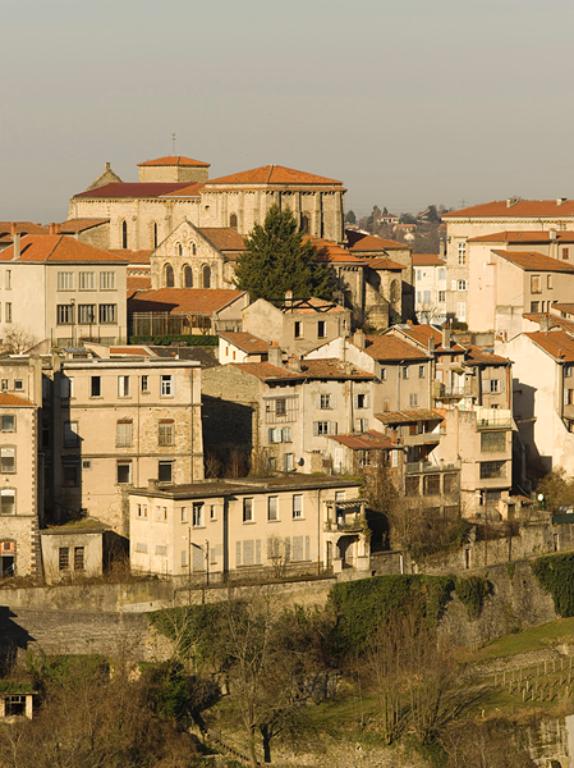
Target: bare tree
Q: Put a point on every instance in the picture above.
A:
(17, 340)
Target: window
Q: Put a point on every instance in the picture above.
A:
(64, 558)
(87, 281)
(8, 312)
(7, 501)
(165, 471)
(71, 437)
(86, 314)
(78, 558)
(154, 237)
(568, 369)
(431, 485)
(179, 249)
(7, 423)
(441, 297)
(7, 460)
(108, 314)
(64, 314)
(383, 374)
(461, 285)
(212, 512)
(304, 223)
(166, 385)
(65, 281)
(324, 428)
(362, 400)
(549, 282)
(107, 281)
(197, 514)
(9, 279)
(535, 307)
(462, 254)
(144, 384)
(206, 277)
(124, 433)
(413, 400)
(297, 506)
(495, 385)
(288, 462)
(321, 333)
(187, 277)
(168, 276)
(124, 234)
(248, 511)
(325, 402)
(565, 254)
(166, 433)
(492, 469)
(233, 221)
(18, 385)
(280, 435)
(66, 388)
(281, 406)
(123, 386)
(96, 386)
(493, 442)
(142, 511)
(161, 514)
(141, 548)
(405, 371)
(421, 371)
(297, 330)
(272, 508)
(123, 472)
(535, 284)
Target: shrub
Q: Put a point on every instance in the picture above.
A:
(472, 591)
(555, 574)
(185, 340)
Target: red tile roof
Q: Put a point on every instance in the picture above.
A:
(224, 238)
(189, 190)
(383, 262)
(564, 306)
(513, 236)
(393, 349)
(558, 344)
(329, 250)
(275, 174)
(183, 301)
(479, 356)
(14, 401)
(246, 342)
(74, 226)
(58, 249)
(311, 306)
(135, 284)
(547, 321)
(130, 351)
(268, 372)
(133, 189)
(179, 160)
(409, 416)
(371, 440)
(424, 333)
(533, 261)
(517, 209)
(22, 228)
(331, 368)
(369, 243)
(428, 260)
(134, 257)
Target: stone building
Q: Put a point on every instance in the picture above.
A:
(429, 272)
(207, 531)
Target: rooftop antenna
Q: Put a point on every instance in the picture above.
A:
(173, 143)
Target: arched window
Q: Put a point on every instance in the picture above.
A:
(154, 234)
(395, 291)
(233, 221)
(179, 249)
(193, 249)
(305, 223)
(124, 234)
(168, 276)
(187, 277)
(206, 276)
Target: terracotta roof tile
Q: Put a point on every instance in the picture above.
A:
(183, 301)
(58, 249)
(224, 238)
(135, 284)
(558, 344)
(73, 226)
(142, 256)
(311, 306)
(370, 243)
(519, 208)
(246, 342)
(274, 174)
(130, 351)
(409, 416)
(332, 368)
(133, 189)
(424, 333)
(189, 190)
(548, 321)
(8, 400)
(171, 160)
(564, 306)
(393, 349)
(428, 260)
(22, 228)
(329, 250)
(371, 440)
(268, 372)
(480, 356)
(513, 236)
(383, 262)
(533, 261)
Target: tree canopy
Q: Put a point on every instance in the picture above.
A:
(279, 258)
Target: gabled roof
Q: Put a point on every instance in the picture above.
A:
(517, 208)
(383, 262)
(311, 306)
(135, 284)
(178, 160)
(564, 306)
(393, 349)
(370, 243)
(133, 189)
(480, 356)
(183, 301)
(224, 238)
(274, 174)
(513, 236)
(268, 372)
(534, 261)
(422, 334)
(428, 260)
(74, 226)
(253, 345)
(332, 368)
(188, 190)
(142, 256)
(22, 228)
(409, 416)
(59, 249)
(8, 400)
(557, 343)
(329, 250)
(371, 440)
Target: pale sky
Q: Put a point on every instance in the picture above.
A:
(406, 101)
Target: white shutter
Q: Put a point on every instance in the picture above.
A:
(237, 553)
(356, 401)
(258, 551)
(367, 401)
(315, 428)
(307, 548)
(332, 427)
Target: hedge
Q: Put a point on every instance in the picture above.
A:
(186, 340)
(556, 576)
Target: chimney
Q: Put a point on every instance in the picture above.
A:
(446, 336)
(108, 166)
(15, 243)
(53, 228)
(552, 234)
(294, 364)
(511, 201)
(152, 484)
(359, 338)
(288, 298)
(275, 355)
(431, 344)
(561, 200)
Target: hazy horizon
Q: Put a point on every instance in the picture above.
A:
(408, 103)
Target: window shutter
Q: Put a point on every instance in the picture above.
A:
(333, 428)
(358, 425)
(258, 551)
(237, 553)
(315, 428)
(318, 401)
(287, 548)
(356, 401)
(453, 285)
(307, 548)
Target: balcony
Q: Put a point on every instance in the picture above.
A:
(424, 467)
(452, 392)
(493, 418)
(424, 438)
(346, 516)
